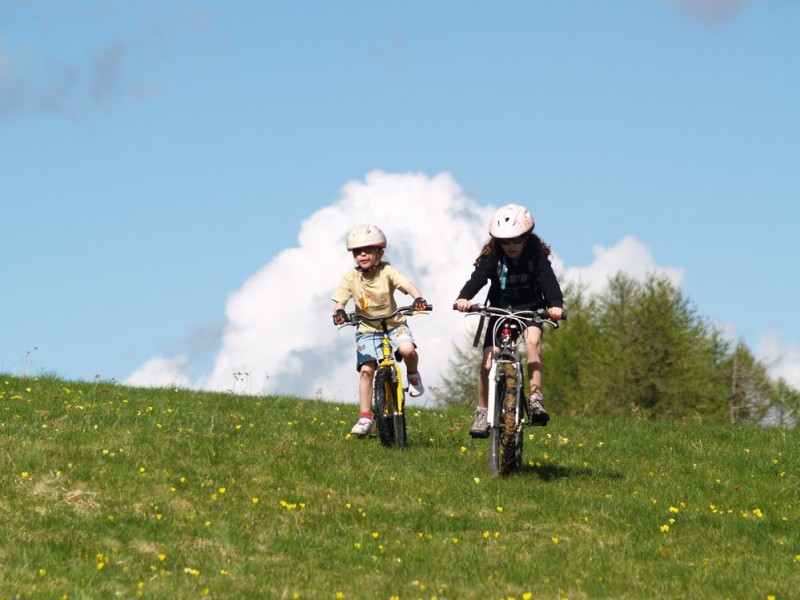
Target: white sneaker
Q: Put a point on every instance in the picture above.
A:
(415, 387)
(363, 428)
(480, 425)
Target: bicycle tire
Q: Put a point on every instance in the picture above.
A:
(383, 403)
(512, 438)
(400, 425)
(496, 431)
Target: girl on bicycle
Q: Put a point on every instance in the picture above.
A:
(371, 284)
(516, 262)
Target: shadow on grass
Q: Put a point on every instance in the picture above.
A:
(555, 471)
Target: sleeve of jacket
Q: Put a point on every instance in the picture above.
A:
(548, 282)
(483, 272)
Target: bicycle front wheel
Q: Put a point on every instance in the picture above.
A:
(384, 401)
(496, 430)
(512, 436)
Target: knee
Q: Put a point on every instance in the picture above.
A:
(407, 350)
(534, 348)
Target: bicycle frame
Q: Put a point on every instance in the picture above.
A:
(388, 392)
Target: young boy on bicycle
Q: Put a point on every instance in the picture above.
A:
(371, 284)
(516, 262)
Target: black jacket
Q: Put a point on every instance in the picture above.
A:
(528, 285)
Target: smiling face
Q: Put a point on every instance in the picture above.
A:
(368, 257)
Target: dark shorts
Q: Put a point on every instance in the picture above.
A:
(487, 338)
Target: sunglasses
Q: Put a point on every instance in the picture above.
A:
(515, 241)
(367, 250)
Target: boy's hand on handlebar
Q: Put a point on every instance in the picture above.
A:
(462, 305)
(420, 304)
(340, 317)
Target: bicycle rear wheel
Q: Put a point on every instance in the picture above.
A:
(384, 400)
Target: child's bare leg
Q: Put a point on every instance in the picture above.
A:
(409, 353)
(366, 373)
(483, 378)
(533, 344)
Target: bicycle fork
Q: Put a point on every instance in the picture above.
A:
(494, 414)
(396, 380)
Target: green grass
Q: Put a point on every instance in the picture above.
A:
(110, 491)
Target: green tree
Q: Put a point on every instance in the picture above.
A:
(568, 354)
(460, 386)
(641, 347)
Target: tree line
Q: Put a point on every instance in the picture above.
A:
(641, 348)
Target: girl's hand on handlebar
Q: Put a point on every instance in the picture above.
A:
(462, 305)
(555, 313)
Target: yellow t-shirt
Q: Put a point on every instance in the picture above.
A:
(373, 296)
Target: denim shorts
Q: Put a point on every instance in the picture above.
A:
(368, 345)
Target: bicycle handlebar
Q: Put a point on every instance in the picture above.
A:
(354, 318)
(539, 315)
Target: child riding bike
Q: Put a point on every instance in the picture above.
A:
(516, 262)
(371, 284)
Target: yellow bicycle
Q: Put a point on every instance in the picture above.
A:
(388, 391)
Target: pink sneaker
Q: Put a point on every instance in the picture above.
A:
(415, 387)
(363, 428)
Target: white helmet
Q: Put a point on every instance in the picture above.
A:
(510, 221)
(364, 236)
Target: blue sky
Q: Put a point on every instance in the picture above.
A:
(176, 178)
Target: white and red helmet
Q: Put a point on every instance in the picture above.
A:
(364, 236)
(510, 221)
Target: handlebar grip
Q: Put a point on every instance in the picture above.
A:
(472, 309)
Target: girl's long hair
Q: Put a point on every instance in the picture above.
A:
(493, 246)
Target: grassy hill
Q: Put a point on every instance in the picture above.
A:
(110, 491)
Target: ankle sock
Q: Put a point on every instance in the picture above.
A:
(366, 415)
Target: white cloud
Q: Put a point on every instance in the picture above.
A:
(279, 338)
(279, 335)
(162, 372)
(782, 360)
(628, 256)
